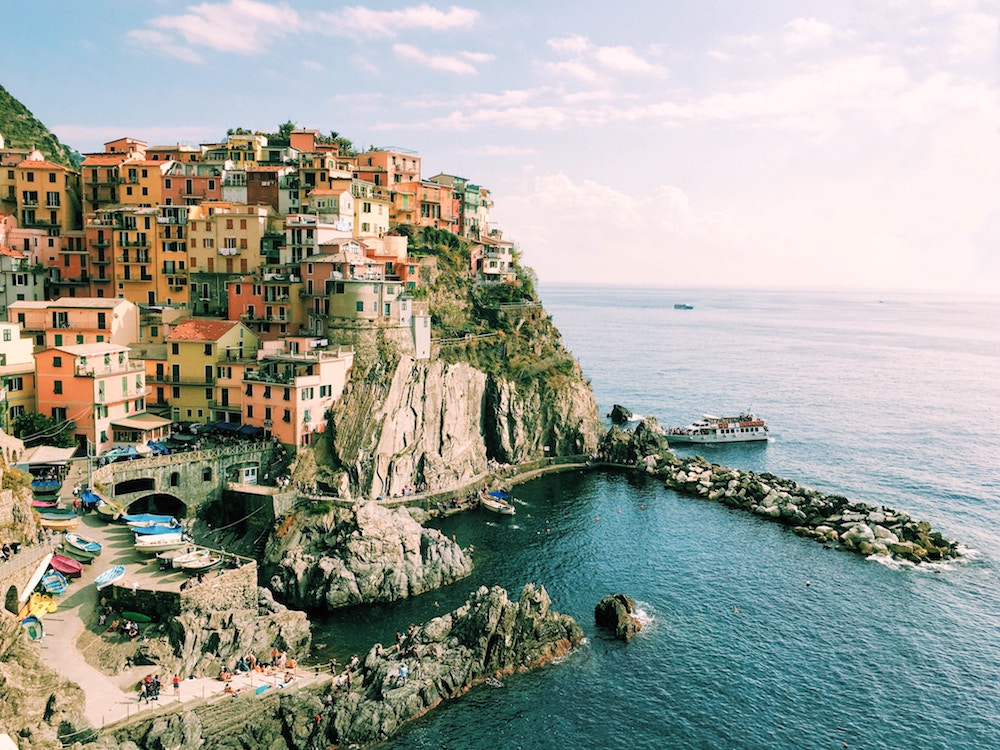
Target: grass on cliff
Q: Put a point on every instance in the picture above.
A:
(497, 328)
(20, 129)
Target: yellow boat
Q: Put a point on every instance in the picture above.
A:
(59, 524)
(38, 605)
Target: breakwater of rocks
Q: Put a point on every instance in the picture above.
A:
(859, 527)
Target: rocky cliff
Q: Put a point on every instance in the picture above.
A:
(488, 637)
(36, 705)
(363, 555)
(440, 424)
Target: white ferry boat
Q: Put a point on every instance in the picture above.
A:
(709, 429)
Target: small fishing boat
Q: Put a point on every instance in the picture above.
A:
(55, 512)
(82, 546)
(67, 566)
(77, 554)
(683, 306)
(157, 529)
(154, 545)
(54, 582)
(137, 520)
(710, 429)
(59, 524)
(165, 559)
(41, 504)
(45, 486)
(109, 510)
(200, 565)
(33, 627)
(498, 502)
(109, 576)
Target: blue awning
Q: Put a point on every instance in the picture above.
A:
(250, 431)
(499, 495)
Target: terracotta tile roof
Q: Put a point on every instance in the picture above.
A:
(98, 160)
(40, 164)
(12, 252)
(201, 330)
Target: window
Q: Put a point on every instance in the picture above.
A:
(287, 416)
(79, 338)
(58, 340)
(206, 475)
(175, 392)
(58, 413)
(6, 334)
(175, 348)
(57, 361)
(249, 411)
(15, 383)
(175, 479)
(57, 387)
(102, 320)
(208, 394)
(359, 306)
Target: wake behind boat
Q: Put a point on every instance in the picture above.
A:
(709, 429)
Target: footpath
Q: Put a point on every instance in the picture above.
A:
(111, 699)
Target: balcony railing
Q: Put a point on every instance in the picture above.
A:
(100, 371)
(166, 377)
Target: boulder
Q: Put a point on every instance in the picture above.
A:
(615, 613)
(619, 415)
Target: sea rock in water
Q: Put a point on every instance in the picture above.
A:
(615, 612)
(488, 637)
(363, 555)
(619, 415)
(632, 448)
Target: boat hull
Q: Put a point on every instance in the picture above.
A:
(77, 554)
(499, 507)
(54, 582)
(59, 524)
(746, 438)
(109, 576)
(67, 566)
(33, 627)
(156, 545)
(82, 545)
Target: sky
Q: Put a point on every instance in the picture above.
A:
(802, 144)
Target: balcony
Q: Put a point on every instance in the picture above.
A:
(136, 243)
(171, 220)
(218, 406)
(100, 243)
(136, 280)
(166, 377)
(70, 281)
(137, 259)
(100, 261)
(100, 371)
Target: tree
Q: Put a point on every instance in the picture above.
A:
(37, 429)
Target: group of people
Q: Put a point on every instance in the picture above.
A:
(8, 550)
(149, 688)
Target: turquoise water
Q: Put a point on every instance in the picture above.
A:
(754, 637)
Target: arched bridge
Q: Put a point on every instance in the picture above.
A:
(180, 482)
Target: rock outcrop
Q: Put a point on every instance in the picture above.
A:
(37, 706)
(833, 519)
(615, 613)
(363, 555)
(488, 637)
(439, 425)
(205, 641)
(619, 415)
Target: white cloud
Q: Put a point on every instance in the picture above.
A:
(803, 34)
(587, 58)
(974, 36)
(623, 59)
(313, 65)
(148, 39)
(570, 45)
(492, 150)
(237, 26)
(445, 63)
(359, 21)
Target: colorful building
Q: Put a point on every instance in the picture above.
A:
(17, 374)
(195, 347)
(77, 320)
(291, 390)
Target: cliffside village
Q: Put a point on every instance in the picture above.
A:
(203, 284)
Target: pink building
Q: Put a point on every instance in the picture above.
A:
(292, 389)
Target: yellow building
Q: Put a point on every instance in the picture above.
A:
(48, 196)
(223, 243)
(195, 349)
(142, 182)
(17, 374)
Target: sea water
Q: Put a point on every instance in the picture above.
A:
(753, 637)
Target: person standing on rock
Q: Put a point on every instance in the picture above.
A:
(177, 686)
(402, 672)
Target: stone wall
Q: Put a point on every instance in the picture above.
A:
(225, 590)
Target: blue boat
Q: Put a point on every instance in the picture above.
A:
(147, 519)
(174, 528)
(54, 582)
(109, 576)
(33, 627)
(45, 486)
(81, 547)
(55, 514)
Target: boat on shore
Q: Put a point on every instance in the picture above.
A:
(498, 502)
(59, 524)
(137, 520)
(81, 547)
(46, 486)
(157, 529)
(109, 510)
(683, 306)
(154, 545)
(109, 576)
(43, 504)
(54, 582)
(66, 565)
(33, 627)
(194, 567)
(743, 428)
(55, 512)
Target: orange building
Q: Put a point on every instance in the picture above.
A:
(101, 390)
(48, 196)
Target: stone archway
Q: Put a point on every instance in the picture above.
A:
(10, 600)
(159, 502)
